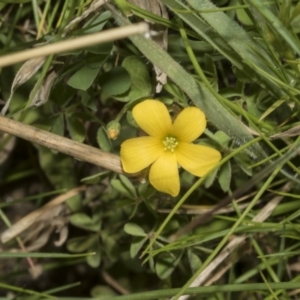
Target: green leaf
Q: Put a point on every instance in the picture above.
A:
(222, 138)
(166, 264)
(76, 129)
(134, 229)
(125, 202)
(194, 260)
(130, 119)
(137, 245)
(253, 104)
(96, 23)
(128, 185)
(103, 140)
(115, 82)
(87, 100)
(210, 179)
(80, 244)
(61, 94)
(96, 178)
(105, 48)
(210, 67)
(94, 260)
(140, 79)
(58, 125)
(244, 164)
(122, 188)
(174, 90)
(60, 173)
(84, 77)
(243, 17)
(224, 177)
(144, 190)
(82, 220)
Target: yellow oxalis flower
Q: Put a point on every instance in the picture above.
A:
(167, 146)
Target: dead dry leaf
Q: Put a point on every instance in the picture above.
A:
(96, 4)
(38, 235)
(40, 214)
(27, 70)
(295, 131)
(42, 94)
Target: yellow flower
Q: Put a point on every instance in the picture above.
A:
(167, 146)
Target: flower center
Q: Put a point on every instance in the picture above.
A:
(170, 143)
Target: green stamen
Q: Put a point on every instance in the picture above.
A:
(170, 143)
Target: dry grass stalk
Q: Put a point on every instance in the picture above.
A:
(236, 241)
(31, 218)
(76, 43)
(64, 145)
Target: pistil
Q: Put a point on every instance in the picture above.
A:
(170, 143)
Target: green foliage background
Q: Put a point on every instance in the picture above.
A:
(238, 61)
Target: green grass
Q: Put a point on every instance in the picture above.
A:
(232, 234)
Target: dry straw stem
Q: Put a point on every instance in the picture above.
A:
(64, 145)
(76, 43)
(236, 241)
(29, 219)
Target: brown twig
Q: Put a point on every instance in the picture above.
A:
(64, 145)
(113, 283)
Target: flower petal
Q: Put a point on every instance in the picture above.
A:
(139, 153)
(189, 124)
(164, 175)
(153, 117)
(197, 159)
